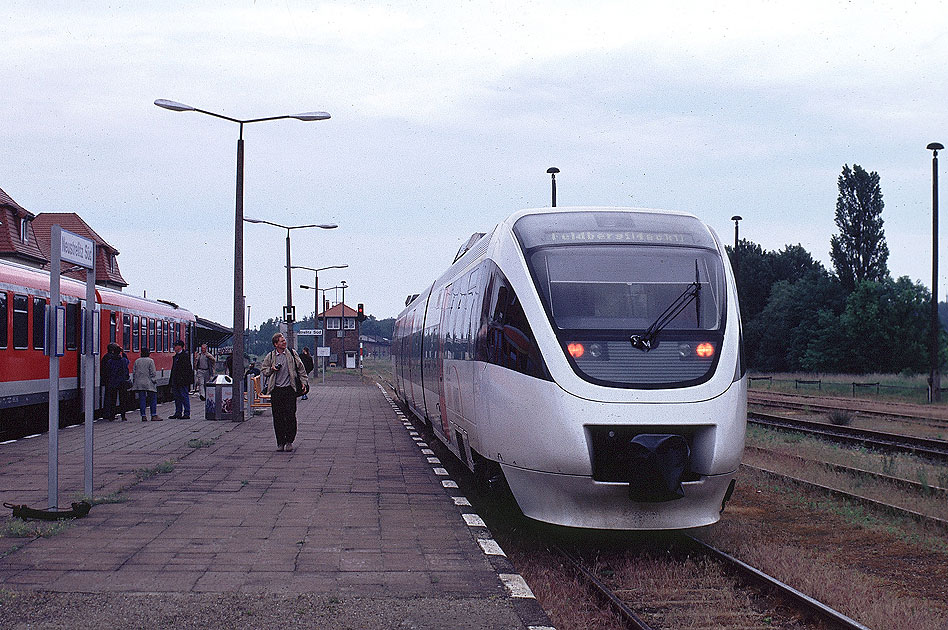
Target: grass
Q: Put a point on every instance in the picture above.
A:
(199, 443)
(162, 468)
(19, 528)
(895, 387)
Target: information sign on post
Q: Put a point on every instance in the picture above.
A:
(76, 249)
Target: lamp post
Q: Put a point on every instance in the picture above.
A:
(288, 315)
(316, 289)
(737, 253)
(935, 376)
(315, 286)
(342, 323)
(553, 171)
(238, 351)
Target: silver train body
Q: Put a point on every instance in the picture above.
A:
(593, 355)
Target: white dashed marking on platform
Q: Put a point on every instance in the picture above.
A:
(460, 501)
(516, 585)
(447, 483)
(440, 471)
(490, 547)
(473, 520)
(434, 460)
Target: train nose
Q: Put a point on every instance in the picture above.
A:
(657, 463)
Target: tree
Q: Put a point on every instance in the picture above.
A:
(859, 251)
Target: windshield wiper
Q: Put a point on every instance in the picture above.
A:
(692, 293)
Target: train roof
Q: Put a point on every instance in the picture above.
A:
(13, 275)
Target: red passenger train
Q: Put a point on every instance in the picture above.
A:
(132, 322)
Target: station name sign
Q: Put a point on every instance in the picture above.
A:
(76, 249)
(310, 332)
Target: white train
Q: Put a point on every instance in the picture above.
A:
(591, 355)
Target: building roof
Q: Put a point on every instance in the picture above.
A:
(73, 222)
(337, 311)
(10, 244)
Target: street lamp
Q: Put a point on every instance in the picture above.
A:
(935, 376)
(238, 351)
(289, 316)
(553, 171)
(316, 296)
(316, 289)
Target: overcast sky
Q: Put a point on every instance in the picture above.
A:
(445, 117)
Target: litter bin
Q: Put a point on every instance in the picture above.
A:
(220, 399)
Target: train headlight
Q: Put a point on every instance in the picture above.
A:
(705, 350)
(576, 350)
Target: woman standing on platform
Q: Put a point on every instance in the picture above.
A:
(281, 368)
(145, 382)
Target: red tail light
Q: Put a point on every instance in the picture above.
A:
(576, 350)
(705, 350)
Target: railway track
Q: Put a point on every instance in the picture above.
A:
(934, 415)
(931, 449)
(643, 613)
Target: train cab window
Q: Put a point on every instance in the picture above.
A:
(39, 323)
(21, 321)
(72, 325)
(3, 319)
(126, 331)
(135, 329)
(113, 325)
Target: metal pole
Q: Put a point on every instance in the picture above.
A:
(55, 239)
(737, 252)
(237, 358)
(553, 171)
(342, 326)
(89, 388)
(290, 338)
(935, 378)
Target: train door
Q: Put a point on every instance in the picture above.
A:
(444, 333)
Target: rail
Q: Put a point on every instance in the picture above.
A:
(933, 449)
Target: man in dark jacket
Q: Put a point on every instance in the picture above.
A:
(182, 375)
(114, 377)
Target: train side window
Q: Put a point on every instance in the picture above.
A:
(151, 332)
(126, 331)
(39, 323)
(3, 319)
(144, 332)
(135, 329)
(159, 337)
(72, 325)
(113, 325)
(21, 322)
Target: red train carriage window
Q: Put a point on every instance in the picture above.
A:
(135, 329)
(39, 323)
(72, 326)
(126, 331)
(160, 335)
(113, 326)
(21, 322)
(3, 319)
(151, 334)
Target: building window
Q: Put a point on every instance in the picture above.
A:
(39, 323)
(21, 322)
(350, 323)
(24, 231)
(332, 323)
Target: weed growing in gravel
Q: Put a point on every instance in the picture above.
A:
(162, 468)
(199, 443)
(114, 497)
(841, 417)
(18, 528)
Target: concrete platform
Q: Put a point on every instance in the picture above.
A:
(355, 521)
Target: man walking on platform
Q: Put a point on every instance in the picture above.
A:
(182, 375)
(203, 369)
(281, 369)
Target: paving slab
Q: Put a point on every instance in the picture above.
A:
(209, 515)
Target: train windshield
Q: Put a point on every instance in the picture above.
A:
(631, 296)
